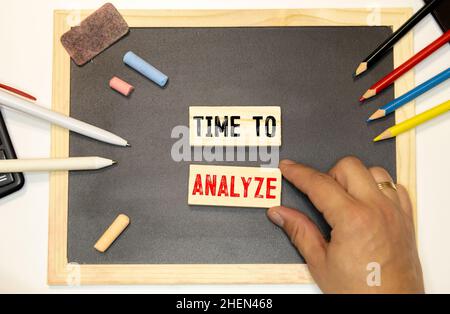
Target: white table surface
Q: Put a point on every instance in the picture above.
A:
(26, 35)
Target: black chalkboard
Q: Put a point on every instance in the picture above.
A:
(305, 70)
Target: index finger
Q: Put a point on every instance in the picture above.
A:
(325, 193)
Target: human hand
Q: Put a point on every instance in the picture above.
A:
(369, 225)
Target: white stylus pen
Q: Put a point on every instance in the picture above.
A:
(57, 164)
(13, 102)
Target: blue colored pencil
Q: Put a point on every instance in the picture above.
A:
(414, 93)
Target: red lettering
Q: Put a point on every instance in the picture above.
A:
(258, 189)
(198, 185)
(223, 187)
(232, 194)
(270, 187)
(246, 183)
(210, 186)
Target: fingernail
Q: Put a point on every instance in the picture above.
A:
(276, 218)
(287, 162)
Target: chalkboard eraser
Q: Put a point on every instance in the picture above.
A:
(112, 233)
(145, 68)
(97, 32)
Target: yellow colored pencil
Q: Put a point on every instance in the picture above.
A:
(414, 121)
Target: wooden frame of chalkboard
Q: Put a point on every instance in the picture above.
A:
(61, 272)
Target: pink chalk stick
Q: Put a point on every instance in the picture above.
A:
(121, 86)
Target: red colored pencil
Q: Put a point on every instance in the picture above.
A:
(405, 67)
(18, 92)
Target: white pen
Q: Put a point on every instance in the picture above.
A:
(13, 102)
(56, 164)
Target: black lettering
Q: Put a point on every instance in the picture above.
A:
(199, 125)
(209, 126)
(221, 127)
(234, 125)
(258, 124)
(274, 126)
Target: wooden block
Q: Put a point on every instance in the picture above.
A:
(235, 126)
(234, 186)
(117, 227)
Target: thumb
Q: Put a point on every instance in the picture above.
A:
(303, 233)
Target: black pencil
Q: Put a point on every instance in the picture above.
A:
(375, 56)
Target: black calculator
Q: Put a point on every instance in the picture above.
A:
(9, 182)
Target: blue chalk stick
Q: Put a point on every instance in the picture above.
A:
(145, 68)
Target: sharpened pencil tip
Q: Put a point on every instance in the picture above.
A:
(383, 136)
(369, 94)
(114, 162)
(380, 113)
(361, 68)
(128, 145)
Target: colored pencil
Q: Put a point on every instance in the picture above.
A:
(375, 56)
(414, 121)
(17, 91)
(405, 67)
(409, 96)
